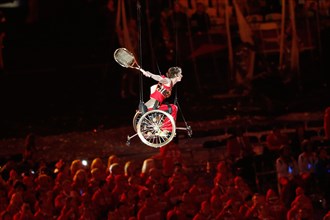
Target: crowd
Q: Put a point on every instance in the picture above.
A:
(164, 186)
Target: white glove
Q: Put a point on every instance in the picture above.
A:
(146, 73)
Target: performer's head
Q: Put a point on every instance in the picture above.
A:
(174, 72)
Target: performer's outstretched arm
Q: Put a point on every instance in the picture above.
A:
(155, 77)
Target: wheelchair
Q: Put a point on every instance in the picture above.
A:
(155, 128)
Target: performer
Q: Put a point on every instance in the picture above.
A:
(163, 90)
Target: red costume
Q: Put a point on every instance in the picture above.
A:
(160, 92)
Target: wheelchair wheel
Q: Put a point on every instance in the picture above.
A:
(156, 128)
(136, 119)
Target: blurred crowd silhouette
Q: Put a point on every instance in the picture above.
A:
(167, 186)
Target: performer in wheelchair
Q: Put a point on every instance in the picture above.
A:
(163, 90)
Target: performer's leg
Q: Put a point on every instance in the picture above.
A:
(173, 111)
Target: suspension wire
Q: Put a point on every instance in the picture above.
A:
(194, 61)
(154, 60)
(176, 39)
(176, 102)
(176, 33)
(158, 69)
(138, 14)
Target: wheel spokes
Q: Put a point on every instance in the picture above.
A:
(155, 128)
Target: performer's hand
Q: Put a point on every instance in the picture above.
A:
(146, 73)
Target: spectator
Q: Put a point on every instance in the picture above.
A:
(102, 200)
(177, 23)
(75, 166)
(326, 123)
(147, 165)
(155, 177)
(62, 171)
(200, 191)
(131, 199)
(24, 213)
(115, 170)
(242, 188)
(327, 216)
(44, 208)
(287, 174)
(297, 139)
(122, 211)
(229, 211)
(306, 162)
(232, 194)
(44, 184)
(29, 162)
(112, 160)
(121, 187)
(97, 163)
(188, 205)
(177, 19)
(70, 209)
(143, 194)
(223, 177)
(307, 159)
(276, 139)
(86, 209)
(18, 187)
(275, 206)
(178, 212)
(258, 210)
(29, 194)
(204, 212)
(157, 192)
(5, 215)
(170, 155)
(239, 150)
(180, 175)
(80, 182)
(3, 201)
(97, 175)
(238, 146)
(216, 203)
(178, 184)
(131, 169)
(60, 198)
(16, 201)
(200, 20)
(149, 210)
(322, 173)
(301, 206)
